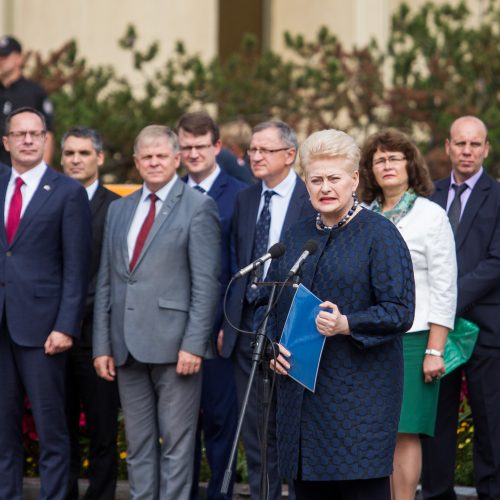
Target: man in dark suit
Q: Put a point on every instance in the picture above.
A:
(44, 255)
(200, 144)
(281, 195)
(81, 156)
(472, 199)
(156, 296)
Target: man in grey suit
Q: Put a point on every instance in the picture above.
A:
(156, 297)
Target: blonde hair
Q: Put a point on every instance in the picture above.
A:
(327, 144)
(154, 132)
(236, 132)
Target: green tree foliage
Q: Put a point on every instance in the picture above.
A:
(441, 62)
(445, 63)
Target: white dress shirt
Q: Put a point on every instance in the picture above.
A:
(142, 210)
(31, 180)
(92, 189)
(206, 183)
(278, 207)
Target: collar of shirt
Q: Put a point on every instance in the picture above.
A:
(15, 82)
(31, 180)
(206, 183)
(284, 188)
(278, 207)
(471, 181)
(31, 177)
(161, 193)
(92, 189)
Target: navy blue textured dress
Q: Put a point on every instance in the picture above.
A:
(347, 429)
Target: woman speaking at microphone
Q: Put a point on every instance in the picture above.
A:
(338, 442)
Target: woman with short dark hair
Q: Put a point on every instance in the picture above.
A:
(395, 183)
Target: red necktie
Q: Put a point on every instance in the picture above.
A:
(14, 216)
(143, 233)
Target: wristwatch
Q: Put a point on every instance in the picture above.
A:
(434, 352)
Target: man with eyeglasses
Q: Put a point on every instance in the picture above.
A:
(44, 256)
(472, 200)
(17, 91)
(200, 144)
(262, 214)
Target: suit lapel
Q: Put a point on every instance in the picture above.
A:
(476, 199)
(97, 200)
(440, 196)
(250, 219)
(165, 210)
(4, 182)
(45, 189)
(219, 186)
(299, 195)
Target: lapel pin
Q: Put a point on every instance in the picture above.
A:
(46, 187)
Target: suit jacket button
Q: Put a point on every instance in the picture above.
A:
(9, 254)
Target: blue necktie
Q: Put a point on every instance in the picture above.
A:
(261, 242)
(200, 189)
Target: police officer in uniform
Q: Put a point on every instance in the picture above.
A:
(16, 91)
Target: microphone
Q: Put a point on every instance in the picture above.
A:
(277, 250)
(309, 248)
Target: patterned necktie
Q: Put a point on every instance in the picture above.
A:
(14, 216)
(143, 233)
(200, 189)
(456, 207)
(261, 241)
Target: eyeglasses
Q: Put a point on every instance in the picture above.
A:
(20, 135)
(200, 148)
(380, 162)
(264, 151)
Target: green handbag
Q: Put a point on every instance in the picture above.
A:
(460, 344)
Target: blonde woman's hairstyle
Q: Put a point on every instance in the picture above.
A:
(329, 144)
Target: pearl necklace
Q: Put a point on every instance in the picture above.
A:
(347, 216)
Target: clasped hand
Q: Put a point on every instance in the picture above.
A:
(329, 322)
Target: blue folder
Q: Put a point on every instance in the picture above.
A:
(301, 337)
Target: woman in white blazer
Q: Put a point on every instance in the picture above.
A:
(395, 183)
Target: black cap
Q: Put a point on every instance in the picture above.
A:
(9, 44)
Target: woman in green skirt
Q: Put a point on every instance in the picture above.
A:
(395, 183)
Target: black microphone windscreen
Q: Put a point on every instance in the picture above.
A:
(277, 250)
(311, 246)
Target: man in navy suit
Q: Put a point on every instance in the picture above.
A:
(44, 255)
(272, 152)
(81, 157)
(472, 199)
(200, 144)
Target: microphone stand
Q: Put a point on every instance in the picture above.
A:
(258, 356)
